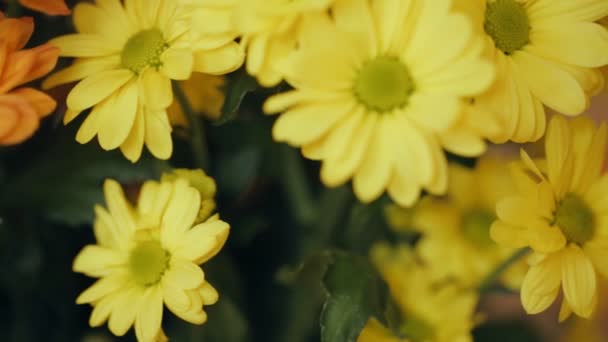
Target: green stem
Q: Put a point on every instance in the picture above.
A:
(197, 138)
(13, 9)
(296, 184)
(493, 277)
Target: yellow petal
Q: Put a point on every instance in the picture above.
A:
(219, 61)
(85, 45)
(184, 274)
(117, 118)
(553, 86)
(125, 308)
(177, 64)
(304, 124)
(119, 208)
(157, 134)
(180, 214)
(434, 112)
(373, 175)
(586, 44)
(96, 261)
(156, 89)
(203, 241)
(133, 145)
(541, 284)
(80, 69)
(102, 288)
(579, 281)
(95, 88)
(149, 315)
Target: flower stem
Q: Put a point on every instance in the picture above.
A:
(493, 277)
(197, 139)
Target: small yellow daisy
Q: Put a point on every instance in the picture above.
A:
(268, 29)
(126, 56)
(147, 256)
(456, 241)
(547, 52)
(431, 311)
(378, 92)
(561, 213)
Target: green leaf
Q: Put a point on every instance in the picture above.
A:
(64, 181)
(355, 293)
(239, 85)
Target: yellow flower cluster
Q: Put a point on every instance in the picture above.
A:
(379, 90)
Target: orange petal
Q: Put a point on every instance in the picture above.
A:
(17, 67)
(50, 7)
(27, 124)
(41, 102)
(46, 56)
(16, 32)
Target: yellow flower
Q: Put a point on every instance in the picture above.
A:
(201, 182)
(268, 29)
(430, 311)
(378, 93)
(547, 53)
(205, 95)
(456, 241)
(561, 213)
(147, 256)
(126, 57)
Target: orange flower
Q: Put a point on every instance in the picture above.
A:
(21, 109)
(50, 7)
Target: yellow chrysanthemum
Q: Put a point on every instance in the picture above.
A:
(561, 213)
(268, 29)
(456, 241)
(126, 56)
(149, 255)
(547, 53)
(378, 92)
(205, 95)
(430, 311)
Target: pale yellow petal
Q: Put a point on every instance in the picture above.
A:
(126, 305)
(203, 241)
(157, 134)
(95, 88)
(116, 122)
(553, 86)
(541, 284)
(96, 261)
(103, 287)
(85, 45)
(155, 89)
(219, 61)
(80, 69)
(133, 145)
(182, 210)
(177, 64)
(184, 274)
(150, 314)
(579, 281)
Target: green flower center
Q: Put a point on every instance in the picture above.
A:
(476, 226)
(143, 50)
(416, 330)
(383, 84)
(574, 217)
(508, 24)
(148, 262)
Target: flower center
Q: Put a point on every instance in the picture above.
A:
(383, 84)
(416, 330)
(143, 49)
(148, 262)
(476, 227)
(508, 24)
(574, 217)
